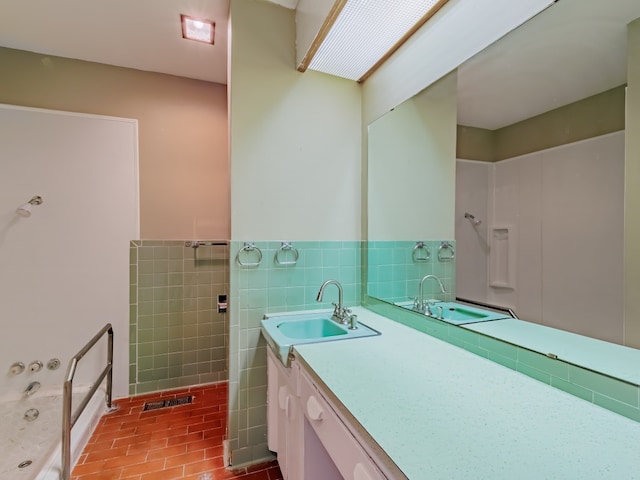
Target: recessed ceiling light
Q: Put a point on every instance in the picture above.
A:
(198, 30)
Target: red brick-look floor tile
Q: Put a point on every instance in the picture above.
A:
(175, 443)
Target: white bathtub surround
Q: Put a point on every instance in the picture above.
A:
(65, 268)
(39, 440)
(561, 263)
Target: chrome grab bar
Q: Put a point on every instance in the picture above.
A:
(488, 305)
(68, 418)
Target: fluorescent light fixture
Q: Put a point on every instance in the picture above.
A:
(198, 30)
(367, 32)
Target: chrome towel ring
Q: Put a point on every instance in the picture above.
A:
(446, 253)
(249, 248)
(421, 252)
(286, 247)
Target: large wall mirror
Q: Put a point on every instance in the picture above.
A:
(505, 179)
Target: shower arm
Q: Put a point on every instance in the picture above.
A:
(472, 219)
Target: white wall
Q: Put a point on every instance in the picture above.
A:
(411, 167)
(64, 271)
(566, 205)
(295, 137)
(456, 33)
(632, 190)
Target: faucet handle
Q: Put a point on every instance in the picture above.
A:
(427, 307)
(353, 321)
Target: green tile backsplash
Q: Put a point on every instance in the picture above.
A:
(268, 288)
(396, 267)
(177, 336)
(610, 393)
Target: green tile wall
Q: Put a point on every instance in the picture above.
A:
(270, 288)
(610, 393)
(394, 275)
(177, 338)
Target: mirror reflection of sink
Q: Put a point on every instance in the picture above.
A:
(458, 313)
(283, 331)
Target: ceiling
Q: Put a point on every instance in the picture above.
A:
(140, 34)
(573, 50)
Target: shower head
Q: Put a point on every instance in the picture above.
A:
(25, 209)
(472, 219)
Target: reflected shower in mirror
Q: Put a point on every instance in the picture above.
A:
(538, 208)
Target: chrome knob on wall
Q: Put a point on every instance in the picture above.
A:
(35, 366)
(32, 388)
(53, 364)
(16, 368)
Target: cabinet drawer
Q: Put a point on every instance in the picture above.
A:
(345, 451)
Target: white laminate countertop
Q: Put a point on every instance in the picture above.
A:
(440, 412)
(609, 358)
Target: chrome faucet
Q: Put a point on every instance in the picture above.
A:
(340, 313)
(31, 389)
(422, 304)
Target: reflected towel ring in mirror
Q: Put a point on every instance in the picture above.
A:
(282, 252)
(443, 256)
(421, 252)
(249, 247)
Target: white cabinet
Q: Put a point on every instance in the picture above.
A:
(284, 417)
(311, 440)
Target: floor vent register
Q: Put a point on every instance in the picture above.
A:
(172, 402)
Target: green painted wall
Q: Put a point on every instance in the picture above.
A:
(475, 144)
(591, 117)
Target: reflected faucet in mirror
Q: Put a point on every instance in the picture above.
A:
(340, 312)
(420, 303)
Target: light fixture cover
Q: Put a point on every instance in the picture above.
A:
(198, 30)
(364, 32)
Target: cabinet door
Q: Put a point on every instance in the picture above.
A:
(285, 409)
(335, 446)
(272, 402)
(284, 417)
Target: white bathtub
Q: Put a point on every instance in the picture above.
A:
(39, 441)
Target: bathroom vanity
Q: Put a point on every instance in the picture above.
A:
(406, 405)
(306, 430)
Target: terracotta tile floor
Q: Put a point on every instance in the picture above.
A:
(181, 442)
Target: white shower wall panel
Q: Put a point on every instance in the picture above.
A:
(65, 269)
(472, 194)
(582, 242)
(566, 205)
(516, 201)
